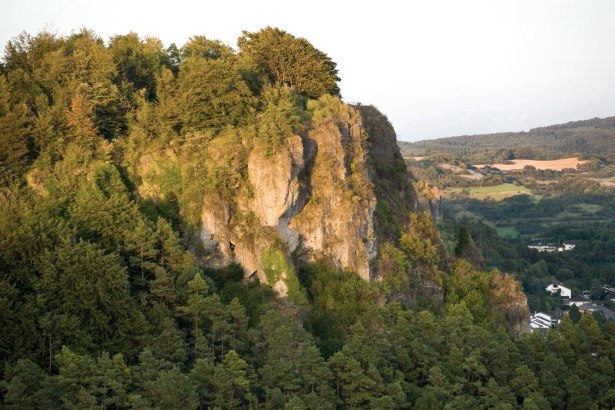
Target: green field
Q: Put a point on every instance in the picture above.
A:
(589, 208)
(496, 192)
(507, 232)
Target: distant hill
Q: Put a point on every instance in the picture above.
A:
(595, 136)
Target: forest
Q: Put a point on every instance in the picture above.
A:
(588, 137)
(105, 302)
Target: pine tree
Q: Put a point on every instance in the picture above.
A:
(195, 310)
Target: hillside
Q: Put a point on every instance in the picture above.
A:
(591, 137)
(204, 227)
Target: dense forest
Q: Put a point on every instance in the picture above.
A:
(589, 137)
(106, 296)
(587, 267)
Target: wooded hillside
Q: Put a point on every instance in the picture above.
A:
(592, 137)
(119, 159)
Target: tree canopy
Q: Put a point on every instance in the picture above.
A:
(286, 60)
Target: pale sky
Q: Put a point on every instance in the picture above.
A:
(435, 68)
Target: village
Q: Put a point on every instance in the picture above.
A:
(552, 247)
(541, 322)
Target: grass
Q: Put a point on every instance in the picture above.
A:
(275, 264)
(496, 192)
(507, 232)
(589, 208)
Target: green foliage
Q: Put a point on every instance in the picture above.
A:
(16, 143)
(420, 243)
(286, 60)
(103, 306)
(325, 107)
(274, 265)
(212, 94)
(138, 62)
(202, 47)
(584, 218)
(277, 268)
(338, 298)
(279, 119)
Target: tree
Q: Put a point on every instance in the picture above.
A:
(172, 390)
(219, 326)
(101, 383)
(195, 310)
(96, 293)
(427, 401)
(574, 314)
(202, 47)
(352, 385)
(23, 384)
(232, 382)
(171, 254)
(278, 119)
(212, 94)
(578, 393)
(286, 60)
(238, 326)
(203, 379)
(81, 121)
(138, 63)
(15, 139)
(168, 343)
(91, 73)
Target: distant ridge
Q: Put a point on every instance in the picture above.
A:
(594, 136)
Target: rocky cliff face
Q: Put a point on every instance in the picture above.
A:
(507, 297)
(313, 198)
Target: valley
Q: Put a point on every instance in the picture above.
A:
(516, 199)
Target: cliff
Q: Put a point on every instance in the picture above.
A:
(313, 197)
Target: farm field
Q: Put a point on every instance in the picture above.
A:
(556, 165)
(527, 219)
(496, 192)
(610, 182)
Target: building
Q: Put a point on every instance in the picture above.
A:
(609, 292)
(552, 247)
(558, 287)
(569, 245)
(557, 317)
(592, 307)
(544, 247)
(540, 322)
(577, 301)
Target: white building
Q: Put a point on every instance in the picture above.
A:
(558, 287)
(543, 247)
(540, 320)
(552, 247)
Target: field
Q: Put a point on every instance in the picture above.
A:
(496, 192)
(556, 165)
(610, 182)
(524, 220)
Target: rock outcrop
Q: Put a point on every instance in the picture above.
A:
(312, 198)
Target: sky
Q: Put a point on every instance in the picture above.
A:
(435, 68)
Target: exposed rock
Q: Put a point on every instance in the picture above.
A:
(337, 222)
(313, 198)
(388, 172)
(507, 297)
